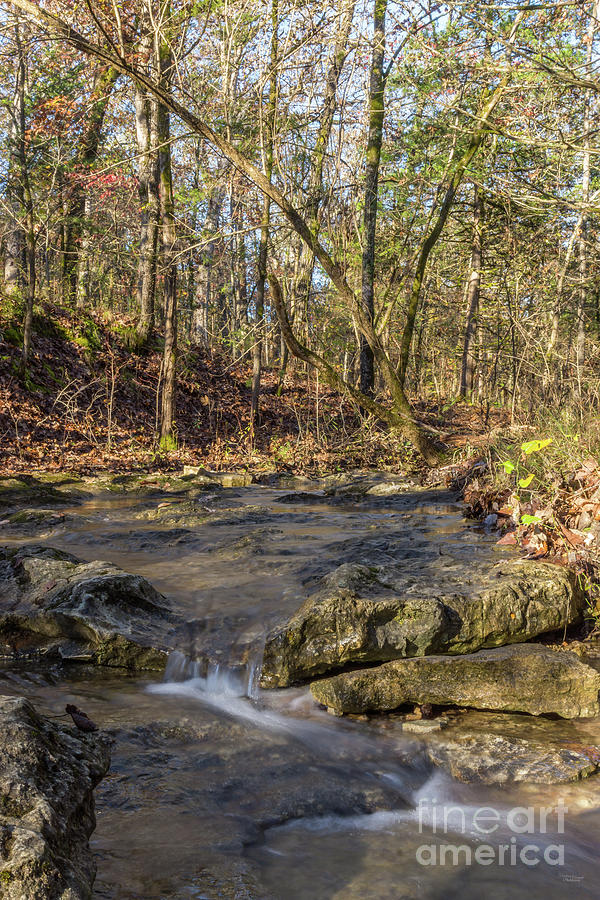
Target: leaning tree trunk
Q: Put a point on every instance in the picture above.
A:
(400, 415)
(487, 107)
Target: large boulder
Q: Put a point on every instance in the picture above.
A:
(527, 678)
(363, 615)
(47, 776)
(52, 603)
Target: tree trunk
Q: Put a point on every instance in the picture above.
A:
(487, 106)
(168, 239)
(204, 274)
(268, 142)
(400, 416)
(376, 114)
(15, 240)
(300, 295)
(24, 190)
(585, 199)
(473, 290)
(146, 126)
(85, 158)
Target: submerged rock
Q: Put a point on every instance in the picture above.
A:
(527, 678)
(52, 603)
(362, 615)
(504, 748)
(47, 776)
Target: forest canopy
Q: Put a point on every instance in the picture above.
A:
(401, 197)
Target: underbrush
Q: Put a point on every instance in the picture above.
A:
(539, 485)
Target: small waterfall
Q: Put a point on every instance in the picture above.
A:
(180, 667)
(216, 678)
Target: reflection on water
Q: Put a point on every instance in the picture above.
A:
(219, 790)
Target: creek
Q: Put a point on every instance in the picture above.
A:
(220, 789)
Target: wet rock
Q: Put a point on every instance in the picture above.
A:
(179, 514)
(353, 623)
(193, 513)
(339, 489)
(147, 540)
(255, 543)
(225, 479)
(366, 614)
(32, 522)
(147, 484)
(303, 497)
(47, 776)
(424, 726)
(44, 490)
(52, 603)
(523, 677)
(504, 748)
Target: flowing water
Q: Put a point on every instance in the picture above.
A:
(218, 789)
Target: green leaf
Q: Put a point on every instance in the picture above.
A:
(508, 466)
(525, 482)
(533, 446)
(530, 520)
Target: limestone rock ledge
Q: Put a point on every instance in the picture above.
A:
(53, 604)
(526, 678)
(363, 614)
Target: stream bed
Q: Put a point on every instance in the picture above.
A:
(218, 789)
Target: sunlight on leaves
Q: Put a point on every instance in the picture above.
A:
(525, 482)
(533, 446)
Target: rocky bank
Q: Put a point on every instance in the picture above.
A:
(47, 776)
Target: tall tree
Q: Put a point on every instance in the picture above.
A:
(373, 157)
(473, 290)
(268, 143)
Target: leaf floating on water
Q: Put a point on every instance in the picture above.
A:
(507, 540)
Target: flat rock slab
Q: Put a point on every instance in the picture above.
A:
(47, 776)
(361, 614)
(41, 490)
(489, 748)
(37, 521)
(225, 479)
(527, 678)
(52, 603)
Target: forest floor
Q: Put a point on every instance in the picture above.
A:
(88, 404)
